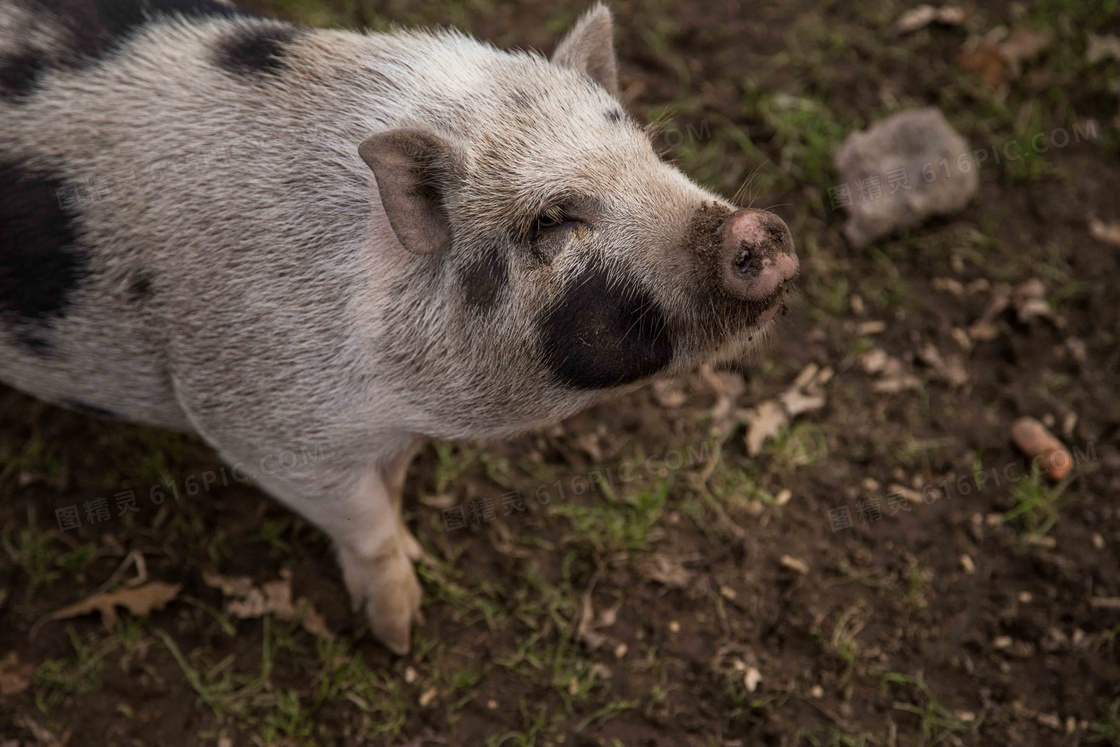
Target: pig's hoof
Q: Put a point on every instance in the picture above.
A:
(387, 586)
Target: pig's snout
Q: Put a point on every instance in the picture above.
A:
(757, 256)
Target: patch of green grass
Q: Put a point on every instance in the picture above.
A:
(44, 556)
(1106, 729)
(1037, 504)
(806, 133)
(57, 680)
(613, 523)
(937, 723)
(802, 445)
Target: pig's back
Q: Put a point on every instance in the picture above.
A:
(181, 203)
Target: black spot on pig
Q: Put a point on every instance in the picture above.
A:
(615, 116)
(259, 51)
(600, 334)
(484, 281)
(20, 74)
(82, 407)
(100, 27)
(140, 288)
(41, 261)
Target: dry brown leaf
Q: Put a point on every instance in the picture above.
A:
(14, 677)
(667, 571)
(670, 393)
(874, 361)
(998, 62)
(1109, 233)
(1030, 302)
(951, 370)
(1102, 48)
(247, 601)
(797, 402)
(923, 15)
(140, 601)
(763, 423)
(1023, 45)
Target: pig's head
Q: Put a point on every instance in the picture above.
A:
(554, 255)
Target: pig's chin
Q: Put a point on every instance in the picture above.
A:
(746, 344)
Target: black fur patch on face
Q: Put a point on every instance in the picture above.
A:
(99, 27)
(82, 407)
(484, 281)
(41, 263)
(600, 334)
(615, 116)
(19, 75)
(256, 51)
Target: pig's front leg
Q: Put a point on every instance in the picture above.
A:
(360, 515)
(395, 473)
(374, 554)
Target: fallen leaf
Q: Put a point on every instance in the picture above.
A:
(1102, 48)
(923, 15)
(895, 384)
(667, 571)
(1029, 300)
(140, 601)
(951, 370)
(874, 361)
(997, 62)
(763, 423)
(14, 677)
(1023, 45)
(1109, 233)
(248, 601)
(669, 393)
(797, 402)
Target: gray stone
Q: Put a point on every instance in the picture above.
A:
(900, 172)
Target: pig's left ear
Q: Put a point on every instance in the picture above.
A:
(589, 48)
(414, 169)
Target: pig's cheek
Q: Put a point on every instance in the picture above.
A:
(601, 333)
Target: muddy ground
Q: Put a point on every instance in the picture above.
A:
(885, 570)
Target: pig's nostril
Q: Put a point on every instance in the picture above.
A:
(743, 260)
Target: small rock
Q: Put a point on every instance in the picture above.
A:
(893, 154)
(795, 564)
(674, 626)
(872, 327)
(751, 679)
(1002, 642)
(784, 496)
(428, 696)
(967, 565)
(952, 286)
(620, 650)
(409, 675)
(817, 691)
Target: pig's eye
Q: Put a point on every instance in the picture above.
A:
(550, 232)
(551, 218)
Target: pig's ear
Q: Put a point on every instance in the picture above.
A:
(414, 169)
(589, 48)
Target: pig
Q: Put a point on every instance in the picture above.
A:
(280, 239)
